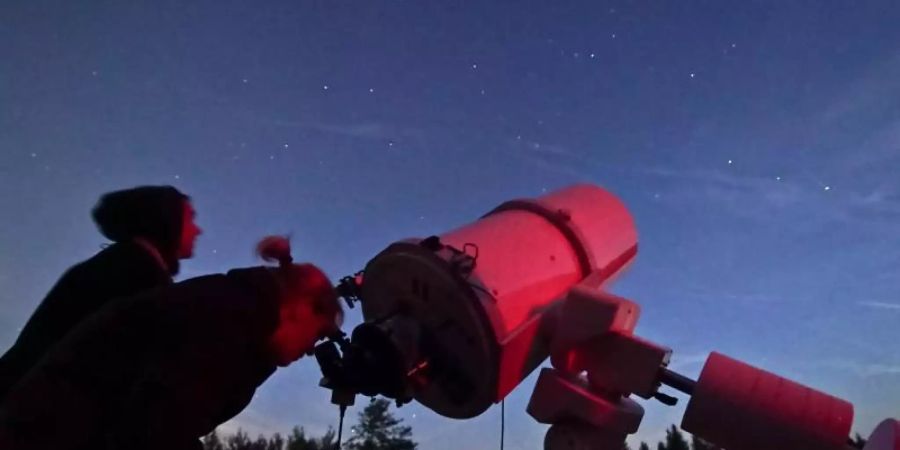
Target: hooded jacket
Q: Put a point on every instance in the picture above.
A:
(151, 213)
(120, 270)
(158, 370)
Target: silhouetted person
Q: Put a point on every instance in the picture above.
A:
(152, 227)
(161, 369)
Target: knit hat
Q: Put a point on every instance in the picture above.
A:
(153, 213)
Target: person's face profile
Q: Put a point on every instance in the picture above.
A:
(189, 231)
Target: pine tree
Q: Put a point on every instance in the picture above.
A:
(644, 446)
(378, 429)
(238, 441)
(276, 442)
(699, 444)
(297, 440)
(675, 440)
(212, 442)
(328, 441)
(261, 443)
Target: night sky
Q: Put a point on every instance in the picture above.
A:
(756, 143)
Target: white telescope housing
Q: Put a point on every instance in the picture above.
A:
(468, 304)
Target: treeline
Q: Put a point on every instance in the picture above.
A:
(676, 440)
(376, 429)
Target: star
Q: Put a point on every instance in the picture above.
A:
(614, 35)
(827, 188)
(576, 54)
(592, 55)
(244, 80)
(474, 66)
(325, 87)
(177, 177)
(692, 75)
(285, 146)
(214, 251)
(778, 178)
(34, 155)
(371, 90)
(94, 73)
(482, 92)
(271, 157)
(390, 143)
(733, 45)
(730, 162)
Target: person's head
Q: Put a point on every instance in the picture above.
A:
(160, 215)
(309, 308)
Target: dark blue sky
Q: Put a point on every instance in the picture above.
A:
(756, 143)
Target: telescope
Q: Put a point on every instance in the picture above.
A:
(457, 321)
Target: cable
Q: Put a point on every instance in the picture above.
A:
(502, 421)
(337, 445)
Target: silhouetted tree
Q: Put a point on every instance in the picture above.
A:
(378, 429)
(261, 443)
(699, 444)
(675, 440)
(238, 441)
(859, 441)
(328, 440)
(276, 442)
(241, 441)
(212, 442)
(297, 440)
